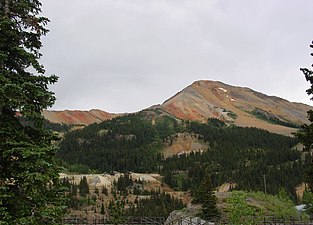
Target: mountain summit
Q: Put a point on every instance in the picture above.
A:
(238, 105)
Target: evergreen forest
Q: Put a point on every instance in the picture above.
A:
(247, 158)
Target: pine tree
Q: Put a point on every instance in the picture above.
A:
(105, 190)
(29, 180)
(210, 211)
(306, 133)
(102, 209)
(83, 186)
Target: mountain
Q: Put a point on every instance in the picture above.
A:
(238, 105)
(212, 99)
(159, 140)
(77, 117)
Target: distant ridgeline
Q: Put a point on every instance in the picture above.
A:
(58, 127)
(251, 158)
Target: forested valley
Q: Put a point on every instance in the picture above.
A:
(248, 158)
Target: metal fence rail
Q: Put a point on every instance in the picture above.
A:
(177, 221)
(103, 221)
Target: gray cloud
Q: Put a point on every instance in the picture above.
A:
(126, 55)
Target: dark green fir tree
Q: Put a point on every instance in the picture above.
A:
(306, 133)
(102, 209)
(210, 211)
(29, 181)
(83, 187)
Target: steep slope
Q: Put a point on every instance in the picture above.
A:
(77, 117)
(238, 105)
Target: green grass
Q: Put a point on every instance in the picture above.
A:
(273, 120)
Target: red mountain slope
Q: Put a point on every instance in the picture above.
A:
(77, 117)
(238, 105)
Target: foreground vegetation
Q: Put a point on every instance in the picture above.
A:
(255, 207)
(29, 181)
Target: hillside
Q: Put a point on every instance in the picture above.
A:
(152, 141)
(239, 105)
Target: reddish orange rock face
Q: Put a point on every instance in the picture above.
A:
(77, 117)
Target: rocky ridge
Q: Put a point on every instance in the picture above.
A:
(78, 117)
(238, 105)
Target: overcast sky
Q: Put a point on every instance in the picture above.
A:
(126, 55)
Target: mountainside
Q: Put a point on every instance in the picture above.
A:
(153, 142)
(77, 117)
(238, 105)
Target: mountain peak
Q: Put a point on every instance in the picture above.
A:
(241, 106)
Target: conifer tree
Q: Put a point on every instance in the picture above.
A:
(306, 133)
(29, 180)
(210, 211)
(102, 209)
(83, 186)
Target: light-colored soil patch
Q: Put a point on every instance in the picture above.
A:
(300, 190)
(106, 180)
(250, 121)
(154, 178)
(226, 187)
(183, 143)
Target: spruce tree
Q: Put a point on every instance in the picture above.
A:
(210, 211)
(83, 187)
(29, 180)
(102, 209)
(306, 133)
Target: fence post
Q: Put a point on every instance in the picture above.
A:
(274, 220)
